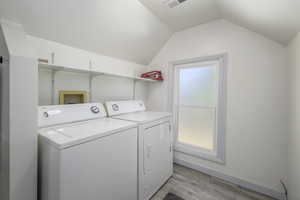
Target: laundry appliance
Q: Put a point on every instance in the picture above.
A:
(155, 143)
(85, 155)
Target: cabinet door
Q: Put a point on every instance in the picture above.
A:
(62, 55)
(157, 157)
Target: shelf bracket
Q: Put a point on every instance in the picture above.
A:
(53, 73)
(91, 77)
(134, 90)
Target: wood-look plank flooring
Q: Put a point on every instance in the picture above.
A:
(193, 185)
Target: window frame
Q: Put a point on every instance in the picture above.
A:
(219, 154)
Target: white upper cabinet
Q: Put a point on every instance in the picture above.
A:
(66, 57)
(115, 66)
(70, 58)
(61, 55)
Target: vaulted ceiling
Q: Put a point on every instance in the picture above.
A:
(135, 30)
(120, 28)
(187, 14)
(277, 19)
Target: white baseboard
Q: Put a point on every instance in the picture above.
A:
(237, 181)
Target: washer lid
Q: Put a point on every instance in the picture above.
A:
(77, 133)
(143, 117)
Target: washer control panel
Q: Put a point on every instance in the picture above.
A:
(60, 114)
(95, 109)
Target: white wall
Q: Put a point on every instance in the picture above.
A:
(19, 115)
(23, 130)
(4, 123)
(104, 88)
(256, 134)
(294, 140)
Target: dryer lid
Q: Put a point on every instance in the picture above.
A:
(143, 117)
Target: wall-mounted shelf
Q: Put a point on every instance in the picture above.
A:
(93, 73)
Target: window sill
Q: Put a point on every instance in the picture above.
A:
(199, 153)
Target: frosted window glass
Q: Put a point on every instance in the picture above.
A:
(198, 89)
(198, 86)
(196, 126)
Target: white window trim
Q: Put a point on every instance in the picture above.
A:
(219, 155)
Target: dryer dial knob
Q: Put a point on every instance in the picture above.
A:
(115, 107)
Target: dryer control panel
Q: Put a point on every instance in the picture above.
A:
(123, 107)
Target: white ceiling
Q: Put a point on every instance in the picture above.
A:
(135, 30)
(189, 13)
(276, 19)
(120, 28)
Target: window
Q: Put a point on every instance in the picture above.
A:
(199, 105)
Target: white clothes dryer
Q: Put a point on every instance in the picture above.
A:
(155, 143)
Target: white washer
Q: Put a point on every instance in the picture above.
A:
(85, 155)
(155, 143)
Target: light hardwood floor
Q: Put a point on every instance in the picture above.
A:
(193, 185)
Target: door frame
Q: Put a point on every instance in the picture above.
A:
(219, 155)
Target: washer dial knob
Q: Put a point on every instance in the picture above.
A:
(95, 109)
(46, 114)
